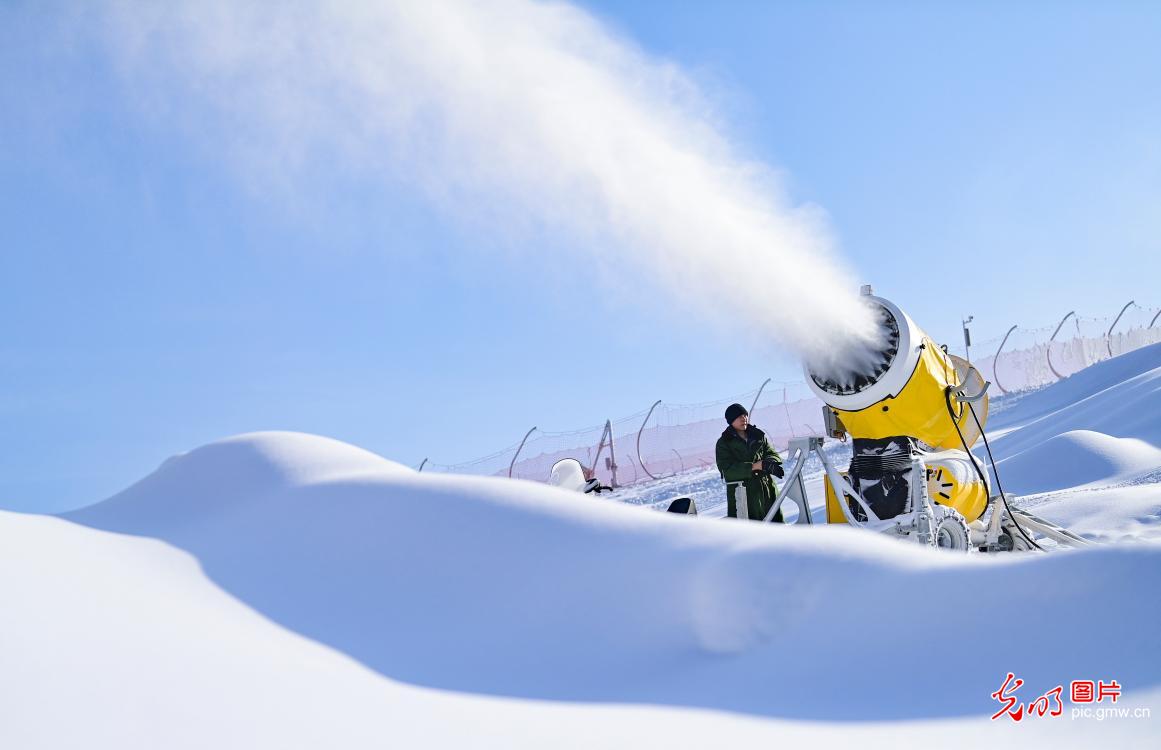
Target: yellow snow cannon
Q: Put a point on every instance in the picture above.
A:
(912, 411)
(909, 396)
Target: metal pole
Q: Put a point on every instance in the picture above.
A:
(633, 464)
(679, 460)
(517, 453)
(786, 409)
(639, 459)
(612, 453)
(1048, 353)
(967, 338)
(1108, 339)
(607, 432)
(757, 395)
(996, 360)
(422, 465)
(1154, 320)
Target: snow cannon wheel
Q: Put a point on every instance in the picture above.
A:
(1016, 541)
(951, 530)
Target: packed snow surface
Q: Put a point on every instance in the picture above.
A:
(288, 590)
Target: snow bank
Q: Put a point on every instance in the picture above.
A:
(194, 488)
(517, 589)
(1074, 458)
(111, 641)
(279, 589)
(1086, 452)
(1120, 396)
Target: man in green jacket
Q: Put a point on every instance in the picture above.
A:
(746, 459)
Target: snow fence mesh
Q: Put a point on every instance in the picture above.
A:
(673, 438)
(1032, 358)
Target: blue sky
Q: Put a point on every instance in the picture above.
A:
(997, 159)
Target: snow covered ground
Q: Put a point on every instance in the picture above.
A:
(287, 590)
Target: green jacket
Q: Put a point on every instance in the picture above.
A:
(736, 458)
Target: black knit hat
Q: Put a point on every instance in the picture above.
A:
(733, 411)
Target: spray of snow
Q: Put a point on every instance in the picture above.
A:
(523, 113)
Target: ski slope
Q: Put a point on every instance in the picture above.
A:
(288, 590)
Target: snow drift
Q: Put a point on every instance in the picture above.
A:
(517, 589)
(1120, 396)
(1075, 458)
(1086, 451)
(288, 589)
(113, 641)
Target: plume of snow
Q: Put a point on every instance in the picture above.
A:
(526, 112)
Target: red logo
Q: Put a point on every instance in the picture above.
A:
(1112, 690)
(1050, 703)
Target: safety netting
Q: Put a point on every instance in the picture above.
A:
(680, 437)
(1027, 358)
(669, 438)
(662, 440)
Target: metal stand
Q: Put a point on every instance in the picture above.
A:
(922, 518)
(793, 488)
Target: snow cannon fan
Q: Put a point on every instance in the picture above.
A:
(910, 399)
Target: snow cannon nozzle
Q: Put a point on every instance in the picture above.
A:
(896, 386)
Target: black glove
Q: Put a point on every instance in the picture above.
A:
(773, 466)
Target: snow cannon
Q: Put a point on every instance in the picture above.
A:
(912, 411)
(908, 396)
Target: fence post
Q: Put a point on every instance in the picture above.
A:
(517, 453)
(786, 408)
(1108, 336)
(758, 395)
(644, 468)
(612, 453)
(1048, 351)
(996, 360)
(607, 433)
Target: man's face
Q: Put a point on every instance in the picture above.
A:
(741, 422)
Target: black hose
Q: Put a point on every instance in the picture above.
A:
(999, 486)
(962, 440)
(979, 471)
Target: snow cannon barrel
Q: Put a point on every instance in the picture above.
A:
(902, 389)
(909, 387)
